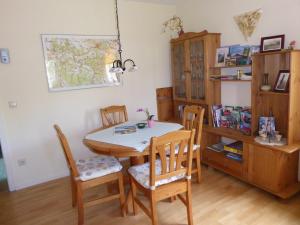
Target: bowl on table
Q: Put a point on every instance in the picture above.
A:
(141, 125)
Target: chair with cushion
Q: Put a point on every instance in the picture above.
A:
(164, 175)
(91, 172)
(113, 115)
(193, 119)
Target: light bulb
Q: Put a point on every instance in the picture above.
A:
(133, 68)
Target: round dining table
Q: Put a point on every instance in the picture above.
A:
(105, 141)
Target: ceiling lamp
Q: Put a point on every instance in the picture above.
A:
(118, 65)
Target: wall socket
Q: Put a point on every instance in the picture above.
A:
(22, 162)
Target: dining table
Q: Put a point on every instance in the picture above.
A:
(133, 145)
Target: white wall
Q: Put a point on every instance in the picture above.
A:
(279, 17)
(28, 128)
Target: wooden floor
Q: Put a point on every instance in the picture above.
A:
(219, 200)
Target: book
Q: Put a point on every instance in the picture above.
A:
(234, 156)
(125, 129)
(217, 147)
(235, 147)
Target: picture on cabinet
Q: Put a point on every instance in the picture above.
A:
(221, 56)
(282, 82)
(273, 43)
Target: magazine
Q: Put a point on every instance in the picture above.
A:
(125, 129)
(234, 117)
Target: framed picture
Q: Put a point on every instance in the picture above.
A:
(271, 44)
(282, 82)
(267, 125)
(79, 61)
(221, 56)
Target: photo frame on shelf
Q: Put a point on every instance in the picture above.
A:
(266, 125)
(272, 43)
(221, 56)
(282, 81)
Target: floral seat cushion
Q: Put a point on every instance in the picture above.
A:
(141, 173)
(97, 166)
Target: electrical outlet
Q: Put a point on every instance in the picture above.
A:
(22, 162)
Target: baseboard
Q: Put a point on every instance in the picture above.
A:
(40, 181)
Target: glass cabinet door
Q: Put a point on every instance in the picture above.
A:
(179, 75)
(197, 69)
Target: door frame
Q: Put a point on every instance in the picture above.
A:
(6, 156)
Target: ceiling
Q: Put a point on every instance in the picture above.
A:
(156, 1)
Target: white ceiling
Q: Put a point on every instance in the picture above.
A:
(155, 1)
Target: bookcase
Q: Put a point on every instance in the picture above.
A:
(192, 55)
(271, 168)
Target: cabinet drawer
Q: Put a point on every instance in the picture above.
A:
(215, 158)
(233, 167)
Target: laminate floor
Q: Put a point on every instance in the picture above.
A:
(219, 200)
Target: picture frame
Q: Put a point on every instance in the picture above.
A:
(221, 55)
(267, 125)
(282, 81)
(272, 43)
(74, 67)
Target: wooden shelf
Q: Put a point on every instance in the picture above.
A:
(237, 135)
(229, 133)
(220, 80)
(275, 53)
(226, 67)
(273, 93)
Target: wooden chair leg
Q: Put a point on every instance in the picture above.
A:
(74, 192)
(198, 162)
(122, 195)
(153, 209)
(189, 204)
(80, 204)
(133, 193)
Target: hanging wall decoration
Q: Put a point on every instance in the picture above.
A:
(174, 25)
(247, 22)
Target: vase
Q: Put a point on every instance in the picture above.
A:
(150, 123)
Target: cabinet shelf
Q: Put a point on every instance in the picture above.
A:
(220, 80)
(226, 67)
(273, 93)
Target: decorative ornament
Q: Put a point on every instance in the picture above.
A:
(292, 45)
(247, 22)
(174, 25)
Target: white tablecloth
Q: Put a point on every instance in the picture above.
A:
(138, 140)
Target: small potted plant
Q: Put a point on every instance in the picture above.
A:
(150, 117)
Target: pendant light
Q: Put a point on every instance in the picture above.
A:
(118, 65)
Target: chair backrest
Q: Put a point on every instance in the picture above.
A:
(67, 151)
(193, 119)
(171, 162)
(113, 115)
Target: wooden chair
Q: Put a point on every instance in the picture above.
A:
(91, 172)
(113, 115)
(193, 119)
(165, 177)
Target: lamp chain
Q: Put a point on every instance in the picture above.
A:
(118, 29)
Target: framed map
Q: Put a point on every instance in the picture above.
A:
(78, 61)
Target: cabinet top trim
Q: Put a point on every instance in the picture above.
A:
(190, 35)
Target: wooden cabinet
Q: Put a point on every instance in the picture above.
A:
(192, 56)
(274, 169)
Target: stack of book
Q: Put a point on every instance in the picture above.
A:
(234, 150)
(217, 147)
